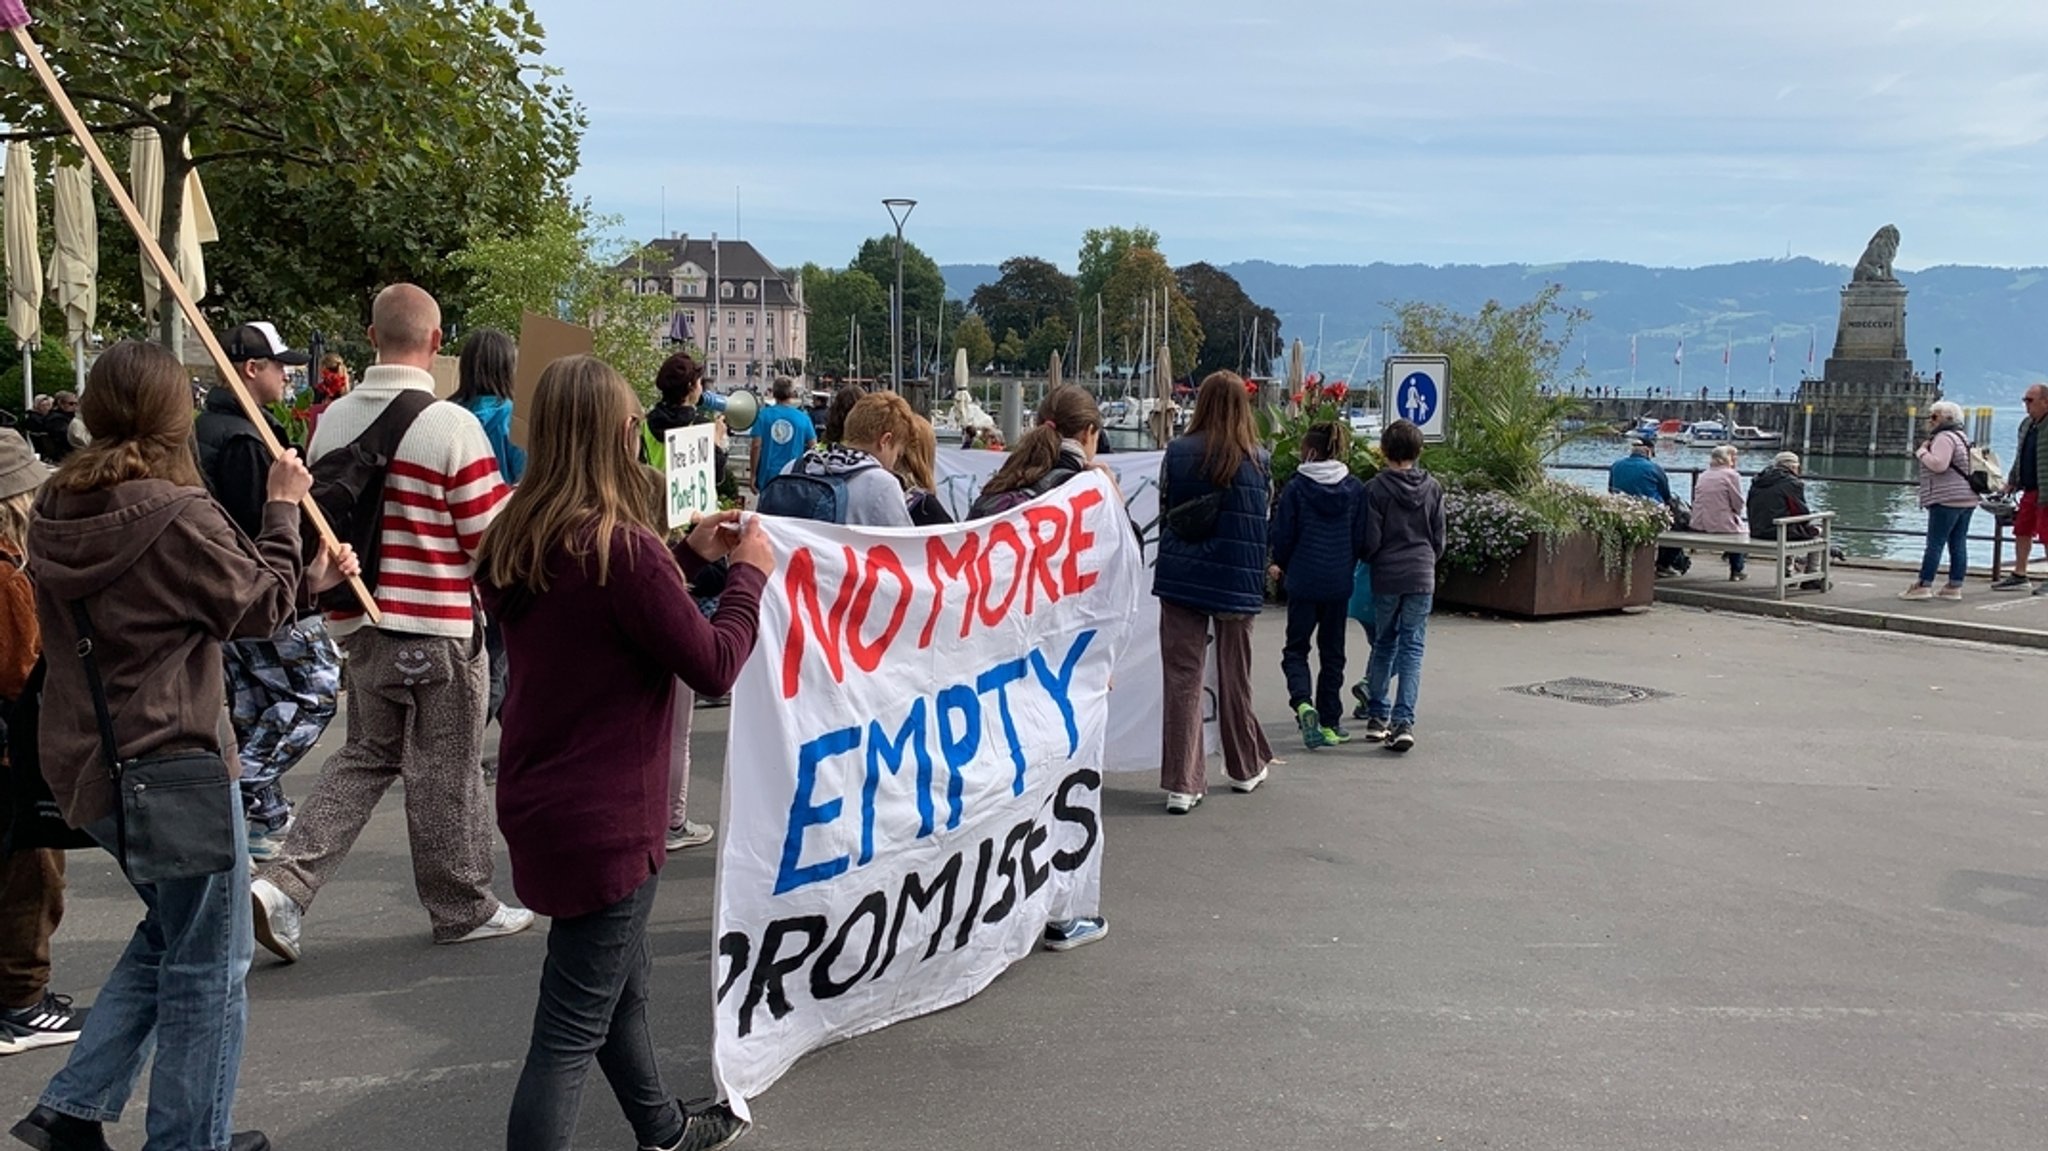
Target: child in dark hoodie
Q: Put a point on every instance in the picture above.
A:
(1317, 534)
(1404, 539)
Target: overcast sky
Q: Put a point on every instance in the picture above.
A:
(1665, 132)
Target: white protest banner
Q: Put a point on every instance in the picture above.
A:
(1140, 679)
(692, 482)
(914, 775)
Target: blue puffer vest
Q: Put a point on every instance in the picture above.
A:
(1226, 573)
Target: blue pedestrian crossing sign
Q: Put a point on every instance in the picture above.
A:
(1417, 389)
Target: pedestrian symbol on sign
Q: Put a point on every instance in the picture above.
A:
(1417, 402)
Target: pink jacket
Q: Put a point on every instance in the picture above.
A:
(1717, 502)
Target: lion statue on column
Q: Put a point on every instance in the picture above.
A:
(1876, 265)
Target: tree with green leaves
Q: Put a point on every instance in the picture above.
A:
(1010, 353)
(838, 300)
(1051, 336)
(973, 334)
(1102, 253)
(924, 290)
(1228, 317)
(360, 92)
(1140, 282)
(563, 267)
(1029, 292)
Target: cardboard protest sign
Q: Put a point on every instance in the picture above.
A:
(542, 341)
(692, 478)
(916, 768)
(447, 372)
(1140, 677)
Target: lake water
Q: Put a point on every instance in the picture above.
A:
(1863, 511)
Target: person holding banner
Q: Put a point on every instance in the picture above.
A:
(598, 616)
(125, 534)
(1211, 576)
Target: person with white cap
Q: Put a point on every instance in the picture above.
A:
(283, 689)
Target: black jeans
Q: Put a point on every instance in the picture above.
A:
(1325, 620)
(593, 1003)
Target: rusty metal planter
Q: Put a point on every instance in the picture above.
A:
(1566, 577)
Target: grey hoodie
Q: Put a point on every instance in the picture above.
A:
(1404, 531)
(874, 496)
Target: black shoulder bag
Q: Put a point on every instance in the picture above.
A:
(174, 815)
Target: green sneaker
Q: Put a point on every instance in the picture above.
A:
(1313, 734)
(1332, 736)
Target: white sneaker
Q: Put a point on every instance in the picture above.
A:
(690, 835)
(1181, 802)
(276, 920)
(1917, 591)
(507, 920)
(1247, 786)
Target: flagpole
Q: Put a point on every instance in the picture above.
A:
(14, 18)
(1631, 363)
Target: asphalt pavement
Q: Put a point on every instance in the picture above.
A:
(1797, 900)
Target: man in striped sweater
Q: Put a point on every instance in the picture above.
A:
(417, 683)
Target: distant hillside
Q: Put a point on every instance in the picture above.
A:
(1984, 320)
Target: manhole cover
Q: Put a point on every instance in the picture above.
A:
(1596, 692)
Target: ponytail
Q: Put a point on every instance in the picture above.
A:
(1035, 455)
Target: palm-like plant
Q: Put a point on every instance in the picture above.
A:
(1508, 415)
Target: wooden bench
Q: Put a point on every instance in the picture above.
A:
(1780, 551)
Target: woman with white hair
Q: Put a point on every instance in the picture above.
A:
(1946, 494)
(1717, 503)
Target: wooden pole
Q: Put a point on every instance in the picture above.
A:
(12, 15)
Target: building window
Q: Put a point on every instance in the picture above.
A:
(748, 292)
(714, 316)
(750, 319)
(768, 321)
(729, 341)
(750, 347)
(731, 318)
(731, 370)
(770, 343)
(725, 291)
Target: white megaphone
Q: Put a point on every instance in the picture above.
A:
(740, 408)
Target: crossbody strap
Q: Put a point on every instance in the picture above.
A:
(104, 715)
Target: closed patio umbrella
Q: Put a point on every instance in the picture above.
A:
(195, 221)
(75, 261)
(24, 262)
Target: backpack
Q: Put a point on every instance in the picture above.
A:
(996, 503)
(348, 486)
(34, 819)
(1979, 478)
(805, 497)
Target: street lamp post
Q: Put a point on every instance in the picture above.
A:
(899, 211)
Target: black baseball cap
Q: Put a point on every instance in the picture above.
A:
(260, 341)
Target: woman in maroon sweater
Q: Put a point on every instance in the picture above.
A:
(600, 622)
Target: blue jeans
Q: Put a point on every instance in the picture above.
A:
(1399, 625)
(176, 990)
(1947, 528)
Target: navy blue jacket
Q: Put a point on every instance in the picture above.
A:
(1641, 477)
(1226, 573)
(1319, 531)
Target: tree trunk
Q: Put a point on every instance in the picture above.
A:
(176, 168)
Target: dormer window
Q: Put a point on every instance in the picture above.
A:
(725, 291)
(748, 291)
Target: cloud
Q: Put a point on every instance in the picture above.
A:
(1463, 130)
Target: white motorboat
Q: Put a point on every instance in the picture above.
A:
(1704, 433)
(1751, 436)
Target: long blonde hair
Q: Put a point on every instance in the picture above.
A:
(918, 464)
(582, 480)
(15, 512)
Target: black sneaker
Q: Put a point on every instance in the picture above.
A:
(1400, 737)
(2013, 583)
(707, 1126)
(1375, 730)
(51, 1023)
(47, 1130)
(1361, 711)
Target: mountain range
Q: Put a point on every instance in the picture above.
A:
(1989, 325)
